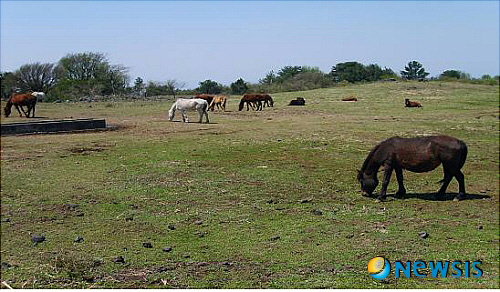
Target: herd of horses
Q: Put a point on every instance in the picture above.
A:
(420, 154)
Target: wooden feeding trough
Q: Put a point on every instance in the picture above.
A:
(52, 126)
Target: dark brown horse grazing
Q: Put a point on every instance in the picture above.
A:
(255, 99)
(409, 103)
(207, 97)
(417, 155)
(250, 99)
(268, 100)
(20, 100)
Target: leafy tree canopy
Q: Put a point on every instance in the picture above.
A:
(239, 87)
(414, 71)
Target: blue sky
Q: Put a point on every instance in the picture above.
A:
(224, 40)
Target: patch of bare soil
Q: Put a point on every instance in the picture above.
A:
(85, 150)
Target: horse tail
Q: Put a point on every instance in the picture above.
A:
(242, 104)
(462, 156)
(206, 106)
(463, 153)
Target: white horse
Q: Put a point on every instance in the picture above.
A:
(184, 105)
(39, 95)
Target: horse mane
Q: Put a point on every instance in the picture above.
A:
(369, 158)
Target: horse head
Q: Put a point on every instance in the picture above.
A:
(7, 110)
(368, 183)
(171, 113)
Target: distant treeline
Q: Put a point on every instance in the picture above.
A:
(88, 75)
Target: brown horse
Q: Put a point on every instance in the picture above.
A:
(207, 97)
(20, 100)
(417, 155)
(409, 103)
(350, 98)
(219, 101)
(256, 99)
(268, 100)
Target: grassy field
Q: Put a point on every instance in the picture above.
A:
(252, 200)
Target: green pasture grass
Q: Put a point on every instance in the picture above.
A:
(258, 199)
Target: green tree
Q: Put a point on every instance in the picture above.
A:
(8, 84)
(373, 72)
(288, 72)
(155, 88)
(139, 86)
(173, 85)
(269, 79)
(209, 87)
(36, 77)
(239, 87)
(349, 71)
(91, 74)
(450, 74)
(310, 79)
(414, 71)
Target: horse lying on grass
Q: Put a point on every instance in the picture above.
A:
(298, 101)
(184, 105)
(409, 103)
(23, 99)
(417, 155)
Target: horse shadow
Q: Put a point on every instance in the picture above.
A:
(193, 122)
(445, 197)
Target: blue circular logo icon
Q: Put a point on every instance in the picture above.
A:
(379, 268)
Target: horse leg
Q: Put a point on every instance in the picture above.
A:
(385, 183)
(446, 181)
(184, 117)
(461, 186)
(17, 108)
(32, 110)
(259, 105)
(22, 109)
(201, 112)
(401, 187)
(206, 116)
